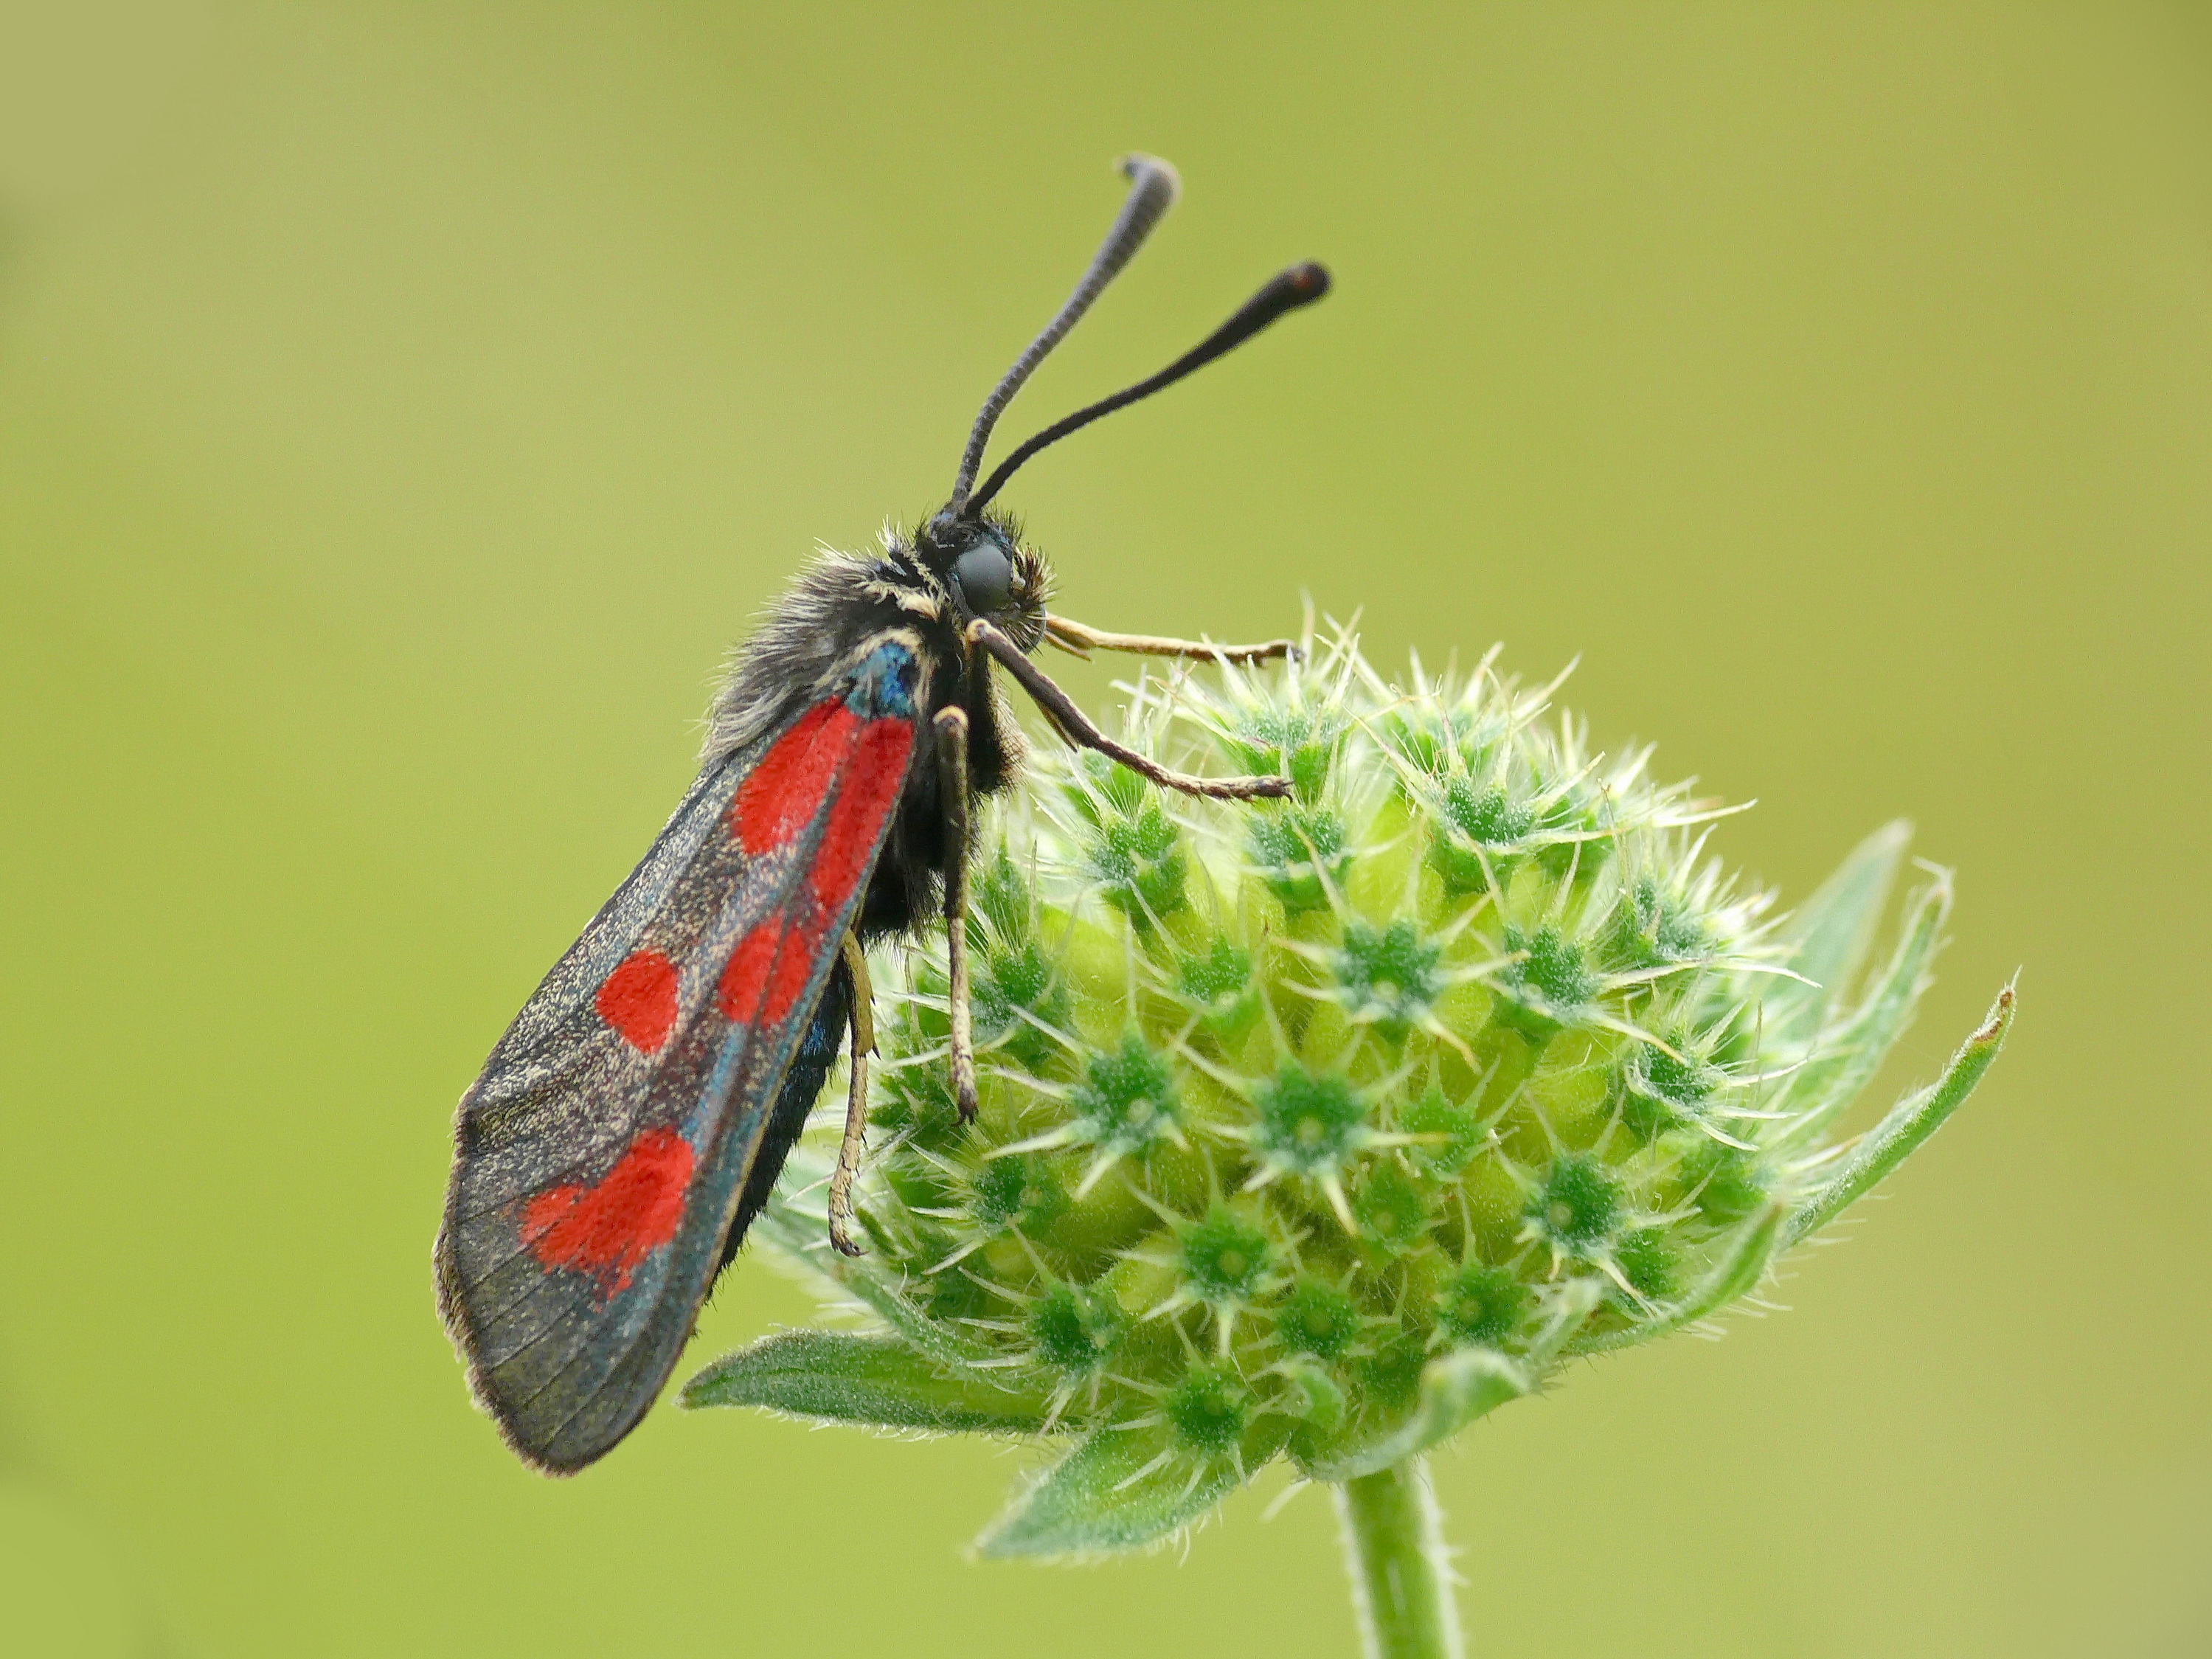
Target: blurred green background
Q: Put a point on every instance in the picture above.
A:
(401, 408)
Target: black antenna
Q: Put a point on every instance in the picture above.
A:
(1154, 187)
(1301, 285)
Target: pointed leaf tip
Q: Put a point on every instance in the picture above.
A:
(1909, 1124)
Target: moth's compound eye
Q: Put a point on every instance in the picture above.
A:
(986, 576)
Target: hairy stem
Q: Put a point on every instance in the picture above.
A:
(1393, 1548)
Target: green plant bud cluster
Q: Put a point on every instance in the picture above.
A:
(1314, 1128)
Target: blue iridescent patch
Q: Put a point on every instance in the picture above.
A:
(884, 683)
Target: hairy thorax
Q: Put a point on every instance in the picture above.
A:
(815, 634)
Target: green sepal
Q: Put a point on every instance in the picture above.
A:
(1846, 1054)
(1737, 1274)
(1121, 1489)
(1459, 1387)
(1832, 932)
(835, 1376)
(1909, 1123)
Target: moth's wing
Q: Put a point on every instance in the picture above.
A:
(600, 1157)
(794, 1102)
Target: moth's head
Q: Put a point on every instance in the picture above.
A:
(989, 571)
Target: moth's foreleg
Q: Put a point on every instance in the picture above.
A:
(1079, 641)
(952, 792)
(1077, 728)
(863, 1020)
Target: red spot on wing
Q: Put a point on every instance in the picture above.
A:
(870, 789)
(639, 999)
(608, 1230)
(781, 796)
(769, 968)
(861, 767)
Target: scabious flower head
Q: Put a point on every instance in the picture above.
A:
(1313, 1128)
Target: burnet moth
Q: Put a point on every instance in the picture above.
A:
(630, 1123)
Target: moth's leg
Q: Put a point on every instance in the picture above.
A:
(856, 1099)
(952, 788)
(1079, 640)
(1077, 728)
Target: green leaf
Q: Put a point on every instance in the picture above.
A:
(1737, 1274)
(1832, 932)
(1847, 1054)
(834, 1377)
(1120, 1490)
(1459, 1387)
(1910, 1122)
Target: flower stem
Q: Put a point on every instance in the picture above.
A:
(1393, 1548)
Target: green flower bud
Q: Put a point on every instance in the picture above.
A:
(1575, 1208)
(1317, 1128)
(1223, 1258)
(1317, 1319)
(1388, 976)
(1077, 1329)
(1299, 852)
(1127, 1098)
(1483, 1304)
(1209, 1408)
(1307, 1126)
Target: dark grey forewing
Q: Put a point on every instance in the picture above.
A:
(566, 1361)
